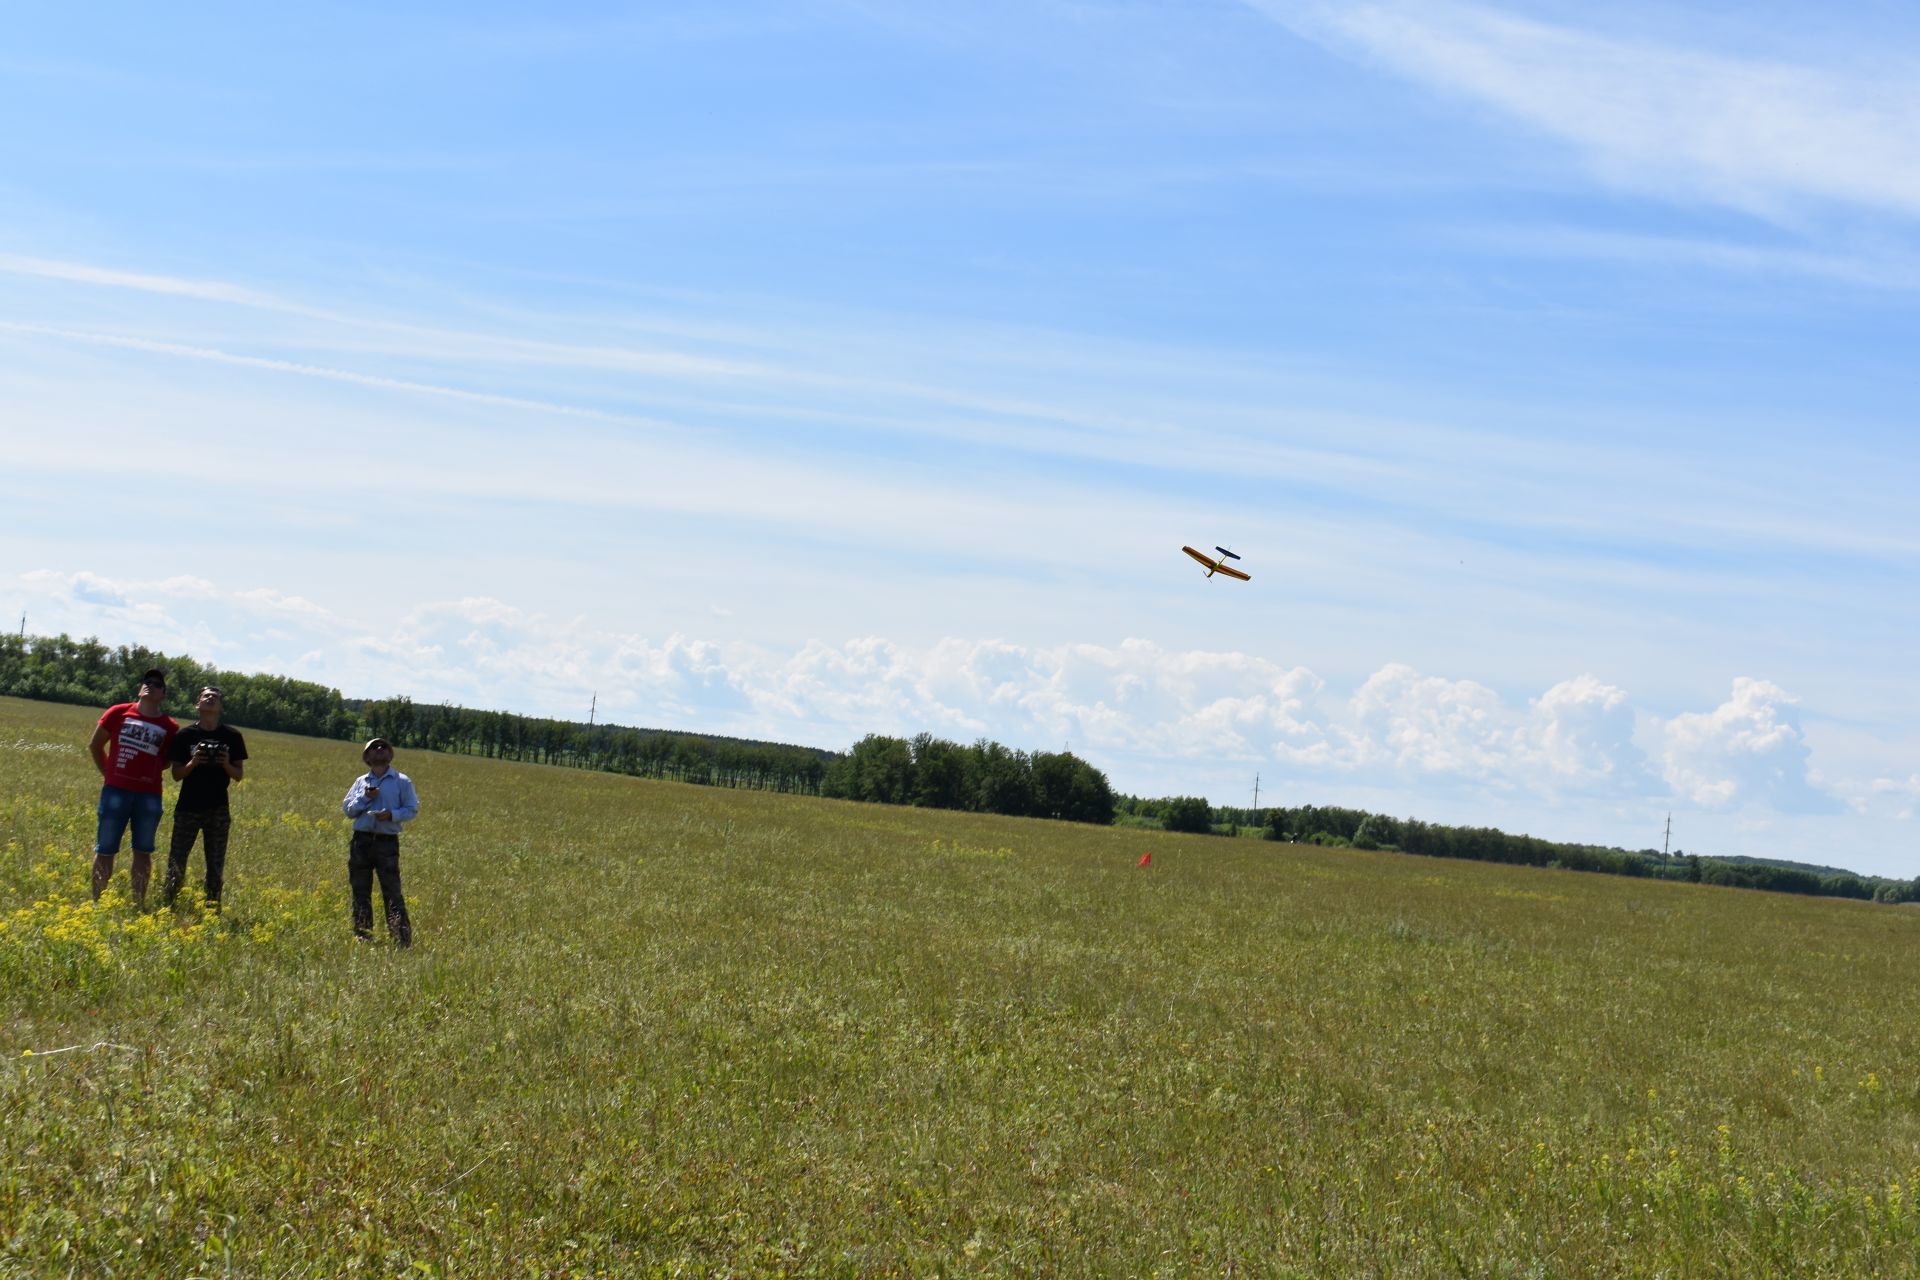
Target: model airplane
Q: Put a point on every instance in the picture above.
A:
(1218, 566)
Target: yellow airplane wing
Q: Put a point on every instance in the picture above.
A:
(1208, 561)
(1232, 572)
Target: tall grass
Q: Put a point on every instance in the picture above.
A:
(658, 1029)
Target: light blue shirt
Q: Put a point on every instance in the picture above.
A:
(368, 794)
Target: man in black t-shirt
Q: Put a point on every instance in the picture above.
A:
(207, 759)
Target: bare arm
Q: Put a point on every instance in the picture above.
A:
(98, 748)
(181, 768)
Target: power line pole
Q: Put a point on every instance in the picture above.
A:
(1256, 792)
(1667, 841)
(593, 708)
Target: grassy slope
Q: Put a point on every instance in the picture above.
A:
(655, 1027)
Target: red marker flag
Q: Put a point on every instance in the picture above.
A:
(1146, 860)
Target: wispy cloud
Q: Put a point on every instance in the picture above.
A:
(215, 355)
(145, 282)
(1881, 267)
(427, 340)
(1763, 136)
(846, 378)
(1171, 415)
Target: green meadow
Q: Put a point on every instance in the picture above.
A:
(655, 1029)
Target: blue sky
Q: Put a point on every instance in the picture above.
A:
(804, 370)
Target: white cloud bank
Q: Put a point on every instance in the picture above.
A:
(1144, 711)
(1748, 748)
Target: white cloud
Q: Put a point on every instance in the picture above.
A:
(1430, 724)
(1747, 751)
(1574, 739)
(94, 589)
(1904, 793)
(471, 651)
(269, 601)
(1580, 733)
(1750, 133)
(177, 614)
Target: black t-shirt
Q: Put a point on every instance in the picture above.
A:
(206, 787)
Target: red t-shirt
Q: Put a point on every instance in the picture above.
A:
(136, 747)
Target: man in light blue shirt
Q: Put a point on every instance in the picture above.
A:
(380, 802)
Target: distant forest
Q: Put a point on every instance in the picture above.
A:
(925, 771)
(1312, 824)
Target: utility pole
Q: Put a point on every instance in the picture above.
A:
(1256, 793)
(1667, 842)
(593, 708)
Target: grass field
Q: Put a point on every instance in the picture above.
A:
(657, 1029)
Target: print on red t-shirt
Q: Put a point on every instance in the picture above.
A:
(136, 747)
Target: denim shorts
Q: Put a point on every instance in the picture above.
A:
(118, 807)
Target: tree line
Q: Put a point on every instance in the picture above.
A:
(89, 673)
(985, 777)
(702, 759)
(1332, 825)
(1359, 829)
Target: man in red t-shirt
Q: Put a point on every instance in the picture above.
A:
(130, 749)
